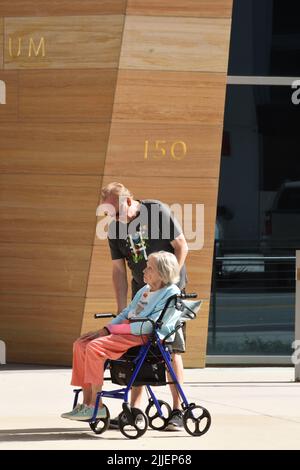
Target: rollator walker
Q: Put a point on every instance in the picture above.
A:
(146, 365)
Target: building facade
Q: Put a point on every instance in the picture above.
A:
(92, 92)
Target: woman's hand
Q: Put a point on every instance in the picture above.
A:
(89, 336)
(93, 335)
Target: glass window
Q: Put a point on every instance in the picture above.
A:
(257, 224)
(289, 199)
(265, 38)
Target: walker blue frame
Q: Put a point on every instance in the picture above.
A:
(190, 409)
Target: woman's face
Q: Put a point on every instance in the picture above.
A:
(151, 274)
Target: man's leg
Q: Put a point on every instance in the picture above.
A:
(135, 402)
(136, 397)
(178, 369)
(137, 392)
(175, 421)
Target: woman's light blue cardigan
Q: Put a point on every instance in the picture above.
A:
(152, 310)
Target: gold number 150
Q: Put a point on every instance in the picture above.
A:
(177, 150)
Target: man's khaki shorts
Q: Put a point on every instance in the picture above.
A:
(178, 345)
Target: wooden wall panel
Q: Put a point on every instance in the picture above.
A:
(76, 148)
(65, 95)
(50, 192)
(40, 329)
(199, 264)
(61, 7)
(97, 305)
(1, 42)
(69, 42)
(197, 339)
(36, 225)
(9, 111)
(194, 44)
(191, 8)
(100, 282)
(168, 97)
(36, 269)
(178, 150)
(52, 209)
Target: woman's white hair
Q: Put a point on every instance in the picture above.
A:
(167, 266)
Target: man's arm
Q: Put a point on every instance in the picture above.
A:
(119, 278)
(177, 239)
(180, 249)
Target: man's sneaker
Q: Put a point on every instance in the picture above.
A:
(73, 412)
(175, 421)
(114, 423)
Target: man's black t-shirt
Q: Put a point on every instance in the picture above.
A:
(152, 230)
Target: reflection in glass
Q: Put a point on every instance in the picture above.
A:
(257, 225)
(265, 38)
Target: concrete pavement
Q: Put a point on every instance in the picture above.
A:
(251, 408)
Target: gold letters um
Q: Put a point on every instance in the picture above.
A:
(32, 48)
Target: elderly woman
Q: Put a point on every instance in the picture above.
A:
(111, 342)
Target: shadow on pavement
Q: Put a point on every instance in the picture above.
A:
(69, 434)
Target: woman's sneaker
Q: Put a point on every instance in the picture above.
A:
(175, 421)
(73, 412)
(85, 413)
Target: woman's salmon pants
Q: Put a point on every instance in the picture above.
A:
(89, 356)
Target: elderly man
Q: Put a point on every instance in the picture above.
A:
(141, 227)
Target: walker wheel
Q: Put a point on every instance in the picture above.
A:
(139, 424)
(156, 421)
(196, 420)
(101, 424)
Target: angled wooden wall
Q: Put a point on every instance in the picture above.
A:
(170, 92)
(88, 83)
(59, 60)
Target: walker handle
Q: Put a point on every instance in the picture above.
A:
(104, 315)
(193, 295)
